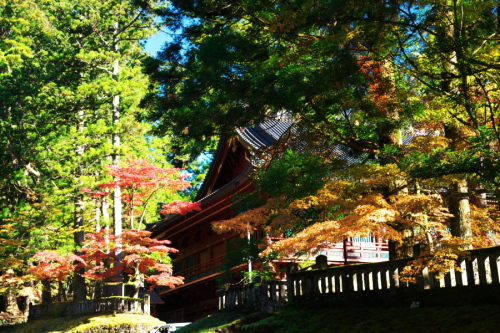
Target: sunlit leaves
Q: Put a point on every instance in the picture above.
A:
(351, 205)
(142, 256)
(142, 182)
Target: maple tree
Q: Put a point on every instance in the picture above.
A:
(144, 258)
(139, 182)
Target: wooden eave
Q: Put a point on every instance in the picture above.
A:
(213, 203)
(195, 282)
(214, 171)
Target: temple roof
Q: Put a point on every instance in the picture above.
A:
(264, 134)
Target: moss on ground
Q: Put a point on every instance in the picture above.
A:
(83, 324)
(463, 319)
(214, 322)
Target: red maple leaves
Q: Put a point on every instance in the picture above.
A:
(142, 255)
(134, 253)
(141, 174)
(54, 267)
(139, 181)
(180, 207)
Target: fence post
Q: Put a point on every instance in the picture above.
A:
(393, 276)
(219, 299)
(347, 284)
(494, 268)
(321, 262)
(147, 304)
(338, 282)
(367, 272)
(459, 281)
(469, 271)
(359, 280)
(447, 280)
(481, 269)
(290, 290)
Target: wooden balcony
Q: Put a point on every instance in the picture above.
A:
(201, 270)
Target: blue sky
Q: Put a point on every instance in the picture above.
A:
(154, 44)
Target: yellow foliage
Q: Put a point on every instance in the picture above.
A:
(440, 263)
(427, 144)
(249, 220)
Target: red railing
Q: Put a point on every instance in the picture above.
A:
(358, 252)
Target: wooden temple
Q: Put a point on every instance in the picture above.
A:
(202, 251)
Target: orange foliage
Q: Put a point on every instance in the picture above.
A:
(439, 263)
(350, 205)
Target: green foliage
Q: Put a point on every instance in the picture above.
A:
(57, 86)
(245, 201)
(295, 175)
(444, 162)
(238, 251)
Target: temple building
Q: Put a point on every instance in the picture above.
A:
(202, 251)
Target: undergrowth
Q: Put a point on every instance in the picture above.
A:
(463, 319)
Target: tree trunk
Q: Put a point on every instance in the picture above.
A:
(117, 195)
(458, 201)
(405, 248)
(79, 286)
(61, 292)
(11, 306)
(459, 206)
(46, 292)
(138, 283)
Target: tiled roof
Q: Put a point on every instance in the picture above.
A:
(270, 131)
(264, 134)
